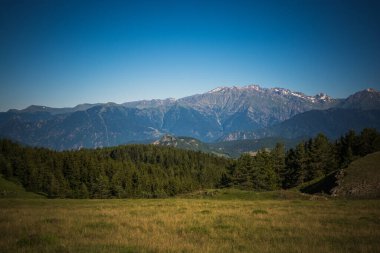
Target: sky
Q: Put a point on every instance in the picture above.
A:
(61, 53)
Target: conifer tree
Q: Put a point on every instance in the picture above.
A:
(279, 166)
(242, 175)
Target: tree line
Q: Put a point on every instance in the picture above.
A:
(151, 171)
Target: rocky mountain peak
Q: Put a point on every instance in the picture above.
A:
(368, 99)
(371, 90)
(323, 97)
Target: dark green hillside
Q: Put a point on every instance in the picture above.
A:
(124, 171)
(361, 179)
(9, 189)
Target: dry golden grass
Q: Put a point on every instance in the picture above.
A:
(189, 225)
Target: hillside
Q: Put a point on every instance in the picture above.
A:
(361, 179)
(9, 189)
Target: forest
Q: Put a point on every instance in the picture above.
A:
(149, 171)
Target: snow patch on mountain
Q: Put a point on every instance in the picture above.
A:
(218, 89)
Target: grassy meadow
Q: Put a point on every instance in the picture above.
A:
(213, 221)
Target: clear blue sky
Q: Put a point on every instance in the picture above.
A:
(61, 53)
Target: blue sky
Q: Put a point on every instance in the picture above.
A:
(62, 53)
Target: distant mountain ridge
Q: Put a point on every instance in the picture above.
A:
(237, 112)
(229, 148)
(54, 111)
(332, 122)
(357, 112)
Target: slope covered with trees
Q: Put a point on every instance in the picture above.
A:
(125, 171)
(156, 171)
(315, 158)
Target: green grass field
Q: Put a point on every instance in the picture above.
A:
(212, 221)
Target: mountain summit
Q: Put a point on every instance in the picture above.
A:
(368, 99)
(274, 91)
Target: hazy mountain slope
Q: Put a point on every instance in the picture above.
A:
(154, 103)
(54, 111)
(186, 121)
(358, 111)
(368, 99)
(333, 123)
(96, 127)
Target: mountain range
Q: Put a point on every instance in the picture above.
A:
(222, 114)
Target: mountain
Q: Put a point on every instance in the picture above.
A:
(357, 112)
(103, 125)
(332, 122)
(253, 107)
(368, 99)
(214, 115)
